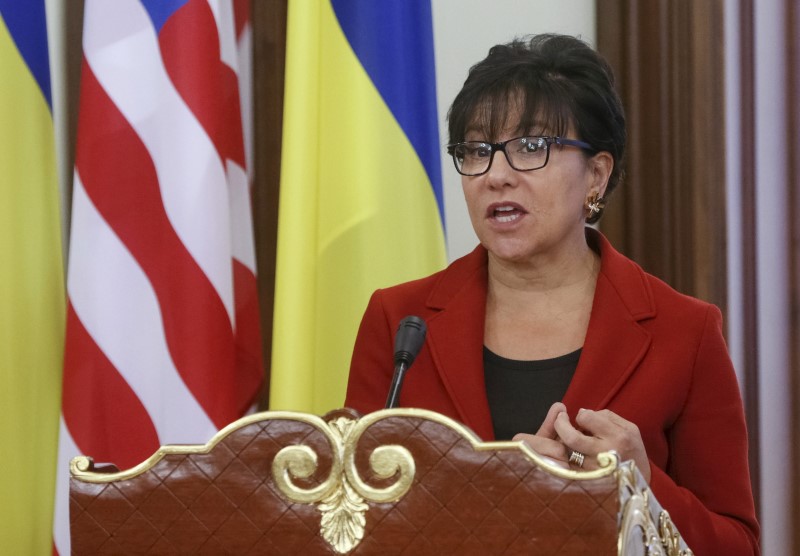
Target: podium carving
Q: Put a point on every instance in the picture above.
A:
(399, 481)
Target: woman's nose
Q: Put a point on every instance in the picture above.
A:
(500, 173)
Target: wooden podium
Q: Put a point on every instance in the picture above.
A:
(398, 481)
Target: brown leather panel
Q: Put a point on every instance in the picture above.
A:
(462, 501)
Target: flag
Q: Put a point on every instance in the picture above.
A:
(162, 339)
(242, 11)
(31, 282)
(360, 193)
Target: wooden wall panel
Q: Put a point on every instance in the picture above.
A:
(269, 42)
(747, 221)
(793, 109)
(73, 13)
(669, 213)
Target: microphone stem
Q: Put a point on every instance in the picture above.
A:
(397, 383)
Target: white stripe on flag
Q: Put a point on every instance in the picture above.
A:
(241, 217)
(245, 48)
(226, 27)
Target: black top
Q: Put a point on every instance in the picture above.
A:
(521, 392)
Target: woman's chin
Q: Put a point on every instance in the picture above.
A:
(509, 250)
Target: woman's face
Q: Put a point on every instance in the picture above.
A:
(525, 217)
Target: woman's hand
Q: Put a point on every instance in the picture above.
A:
(602, 431)
(546, 441)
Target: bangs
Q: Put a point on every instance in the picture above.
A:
(535, 107)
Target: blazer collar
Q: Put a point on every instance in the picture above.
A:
(615, 341)
(455, 338)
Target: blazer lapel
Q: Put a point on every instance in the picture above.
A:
(455, 339)
(615, 341)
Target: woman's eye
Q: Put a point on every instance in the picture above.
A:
(483, 151)
(530, 144)
(474, 150)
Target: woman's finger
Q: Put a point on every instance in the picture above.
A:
(586, 446)
(571, 436)
(547, 429)
(547, 447)
(602, 424)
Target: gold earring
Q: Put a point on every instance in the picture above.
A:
(595, 204)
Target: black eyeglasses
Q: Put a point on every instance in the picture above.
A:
(473, 158)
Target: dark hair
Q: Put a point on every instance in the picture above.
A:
(558, 81)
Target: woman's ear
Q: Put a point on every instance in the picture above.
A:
(600, 165)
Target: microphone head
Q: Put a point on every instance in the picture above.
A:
(409, 339)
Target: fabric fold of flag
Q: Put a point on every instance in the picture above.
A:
(163, 338)
(31, 282)
(360, 200)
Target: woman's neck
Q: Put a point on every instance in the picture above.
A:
(539, 311)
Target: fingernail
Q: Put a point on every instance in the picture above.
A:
(581, 410)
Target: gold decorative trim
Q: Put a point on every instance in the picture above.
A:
(638, 531)
(343, 519)
(341, 497)
(82, 467)
(670, 537)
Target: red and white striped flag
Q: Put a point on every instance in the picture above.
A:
(163, 340)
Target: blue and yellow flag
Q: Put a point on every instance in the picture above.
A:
(32, 303)
(361, 196)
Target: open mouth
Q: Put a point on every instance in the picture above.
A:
(505, 213)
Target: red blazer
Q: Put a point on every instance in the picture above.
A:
(652, 355)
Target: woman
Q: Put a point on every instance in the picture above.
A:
(545, 333)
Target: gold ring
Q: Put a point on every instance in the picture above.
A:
(577, 458)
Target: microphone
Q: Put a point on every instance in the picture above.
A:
(407, 343)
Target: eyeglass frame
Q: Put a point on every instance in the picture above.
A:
(501, 146)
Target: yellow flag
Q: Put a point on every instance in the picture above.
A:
(32, 305)
(360, 197)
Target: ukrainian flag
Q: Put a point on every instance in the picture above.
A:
(32, 303)
(361, 196)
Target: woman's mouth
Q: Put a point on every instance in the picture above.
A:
(505, 213)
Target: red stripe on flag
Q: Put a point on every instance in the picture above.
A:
(120, 178)
(104, 416)
(191, 51)
(248, 328)
(241, 14)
